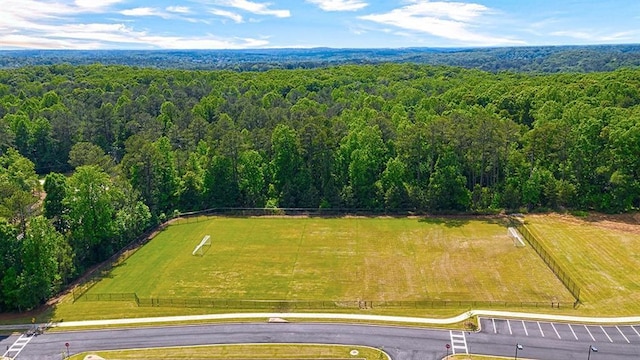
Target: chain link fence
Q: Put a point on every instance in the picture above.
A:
(548, 259)
(288, 305)
(99, 272)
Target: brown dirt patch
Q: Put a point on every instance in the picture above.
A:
(617, 222)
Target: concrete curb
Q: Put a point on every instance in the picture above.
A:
(359, 317)
(15, 327)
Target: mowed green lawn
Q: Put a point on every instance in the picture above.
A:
(602, 256)
(347, 259)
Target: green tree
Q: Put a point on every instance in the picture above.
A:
(252, 181)
(168, 115)
(47, 263)
(166, 175)
(191, 192)
(7, 136)
(90, 193)
(447, 186)
(207, 108)
(393, 185)
(221, 188)
(49, 99)
(55, 186)
(10, 265)
(151, 168)
(138, 166)
(132, 216)
(41, 144)
(365, 153)
(285, 165)
(18, 187)
(624, 141)
(86, 153)
(22, 136)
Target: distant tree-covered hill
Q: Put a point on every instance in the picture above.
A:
(544, 59)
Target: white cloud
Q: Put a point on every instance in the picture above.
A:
(16, 12)
(596, 37)
(205, 42)
(29, 42)
(339, 5)
(56, 24)
(178, 9)
(254, 7)
(115, 33)
(105, 36)
(95, 5)
(31, 14)
(145, 11)
(573, 34)
(227, 14)
(449, 20)
(170, 13)
(356, 30)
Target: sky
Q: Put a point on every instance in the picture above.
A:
(240, 24)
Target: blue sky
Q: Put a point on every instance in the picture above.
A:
(237, 24)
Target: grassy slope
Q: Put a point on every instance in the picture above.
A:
(602, 256)
(327, 259)
(336, 259)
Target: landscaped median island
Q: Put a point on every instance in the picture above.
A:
(408, 266)
(245, 352)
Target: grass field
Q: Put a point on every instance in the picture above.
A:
(602, 255)
(244, 352)
(373, 259)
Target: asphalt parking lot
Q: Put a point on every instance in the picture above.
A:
(628, 334)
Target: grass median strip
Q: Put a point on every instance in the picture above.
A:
(249, 351)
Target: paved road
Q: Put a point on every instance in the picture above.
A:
(401, 343)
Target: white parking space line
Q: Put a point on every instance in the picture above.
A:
(573, 332)
(620, 331)
(509, 325)
(636, 331)
(525, 328)
(592, 338)
(554, 329)
(608, 337)
(495, 331)
(540, 327)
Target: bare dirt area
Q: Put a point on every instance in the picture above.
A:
(619, 222)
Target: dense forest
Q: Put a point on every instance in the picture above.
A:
(120, 149)
(543, 59)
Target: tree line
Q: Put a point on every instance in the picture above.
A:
(543, 59)
(136, 145)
